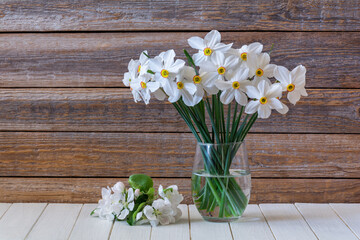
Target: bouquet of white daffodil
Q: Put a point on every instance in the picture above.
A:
(216, 76)
(138, 204)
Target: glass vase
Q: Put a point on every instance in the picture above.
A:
(221, 181)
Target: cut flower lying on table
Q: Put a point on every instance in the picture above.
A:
(137, 205)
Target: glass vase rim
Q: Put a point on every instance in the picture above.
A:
(220, 144)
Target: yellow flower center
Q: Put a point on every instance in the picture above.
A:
(180, 85)
(207, 51)
(143, 84)
(290, 87)
(139, 68)
(164, 73)
(259, 72)
(263, 100)
(221, 70)
(236, 85)
(243, 56)
(196, 79)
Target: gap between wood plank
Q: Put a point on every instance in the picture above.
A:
(36, 221)
(337, 214)
(305, 220)
(75, 221)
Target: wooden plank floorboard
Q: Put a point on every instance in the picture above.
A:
(324, 222)
(206, 230)
(286, 222)
(93, 109)
(101, 59)
(3, 208)
(13, 229)
(90, 228)
(178, 231)
(56, 222)
(171, 154)
(87, 15)
(350, 214)
(251, 226)
(122, 230)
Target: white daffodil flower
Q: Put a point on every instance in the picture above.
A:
(246, 51)
(235, 87)
(204, 82)
(143, 86)
(265, 98)
(181, 88)
(207, 47)
(293, 82)
(220, 67)
(259, 68)
(159, 212)
(126, 205)
(165, 68)
(171, 195)
(136, 68)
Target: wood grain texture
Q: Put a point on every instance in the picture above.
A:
(104, 109)
(100, 59)
(324, 222)
(264, 190)
(86, 154)
(41, 15)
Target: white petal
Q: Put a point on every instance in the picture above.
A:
(294, 96)
(211, 90)
(221, 47)
(303, 92)
(196, 43)
(131, 206)
(149, 212)
(231, 62)
(298, 75)
(269, 70)
(253, 92)
(263, 60)
(190, 87)
(212, 38)
(138, 216)
(130, 196)
(123, 214)
(159, 95)
(255, 47)
(274, 103)
(143, 58)
(223, 85)
(187, 98)
(218, 59)
(241, 74)
(282, 74)
(161, 191)
(227, 96)
(283, 110)
(155, 65)
(174, 68)
(159, 203)
(241, 98)
(264, 111)
(263, 87)
(274, 91)
(199, 58)
(208, 67)
(169, 58)
(252, 107)
(153, 86)
(175, 96)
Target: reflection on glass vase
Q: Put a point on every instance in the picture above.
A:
(221, 181)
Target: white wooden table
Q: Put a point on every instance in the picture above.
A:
(265, 221)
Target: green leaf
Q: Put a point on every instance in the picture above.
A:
(146, 54)
(141, 181)
(151, 72)
(93, 211)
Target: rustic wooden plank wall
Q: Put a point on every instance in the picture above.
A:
(68, 126)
